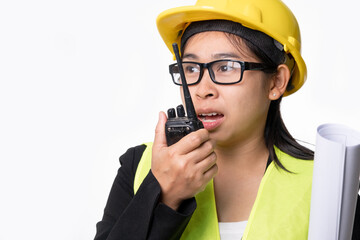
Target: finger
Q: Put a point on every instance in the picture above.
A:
(160, 138)
(193, 140)
(207, 163)
(200, 153)
(210, 173)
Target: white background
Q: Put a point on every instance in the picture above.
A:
(82, 81)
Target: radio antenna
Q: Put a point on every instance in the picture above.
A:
(187, 97)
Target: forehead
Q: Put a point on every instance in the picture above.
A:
(207, 44)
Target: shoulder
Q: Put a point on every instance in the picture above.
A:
(131, 158)
(295, 165)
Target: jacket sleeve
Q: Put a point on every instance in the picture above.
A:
(141, 216)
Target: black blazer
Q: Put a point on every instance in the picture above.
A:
(142, 216)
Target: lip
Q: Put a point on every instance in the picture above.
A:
(210, 121)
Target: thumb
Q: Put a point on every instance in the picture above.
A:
(160, 138)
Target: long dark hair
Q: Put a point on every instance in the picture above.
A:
(276, 133)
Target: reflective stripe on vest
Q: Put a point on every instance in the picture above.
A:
(281, 209)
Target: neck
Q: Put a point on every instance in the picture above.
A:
(245, 155)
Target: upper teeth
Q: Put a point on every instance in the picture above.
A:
(208, 114)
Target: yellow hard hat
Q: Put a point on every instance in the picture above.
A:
(271, 17)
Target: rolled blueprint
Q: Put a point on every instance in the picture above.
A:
(335, 183)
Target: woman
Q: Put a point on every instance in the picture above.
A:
(243, 175)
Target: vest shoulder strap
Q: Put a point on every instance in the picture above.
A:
(143, 167)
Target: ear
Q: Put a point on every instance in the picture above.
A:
(279, 82)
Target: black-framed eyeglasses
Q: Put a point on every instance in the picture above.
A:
(221, 71)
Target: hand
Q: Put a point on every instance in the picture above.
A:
(184, 168)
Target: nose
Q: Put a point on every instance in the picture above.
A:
(206, 88)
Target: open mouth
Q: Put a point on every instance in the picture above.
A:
(210, 117)
(211, 120)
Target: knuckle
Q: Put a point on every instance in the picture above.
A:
(190, 178)
(171, 153)
(195, 139)
(157, 131)
(182, 165)
(208, 146)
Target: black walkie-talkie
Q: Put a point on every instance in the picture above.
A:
(177, 127)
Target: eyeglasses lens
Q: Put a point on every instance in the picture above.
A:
(220, 72)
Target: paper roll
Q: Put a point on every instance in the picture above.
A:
(335, 183)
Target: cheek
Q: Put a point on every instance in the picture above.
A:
(246, 102)
(256, 87)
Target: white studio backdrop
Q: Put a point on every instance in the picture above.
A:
(82, 81)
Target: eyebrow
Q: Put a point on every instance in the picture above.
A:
(190, 55)
(215, 56)
(226, 55)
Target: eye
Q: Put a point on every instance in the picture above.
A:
(191, 68)
(227, 67)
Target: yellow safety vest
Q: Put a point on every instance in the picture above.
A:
(280, 212)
